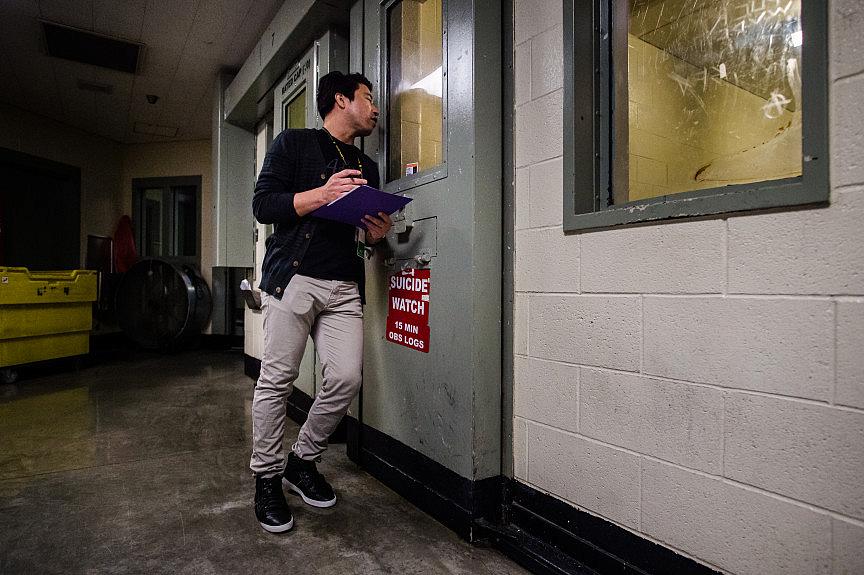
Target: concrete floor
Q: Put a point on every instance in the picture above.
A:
(140, 466)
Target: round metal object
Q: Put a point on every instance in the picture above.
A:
(160, 305)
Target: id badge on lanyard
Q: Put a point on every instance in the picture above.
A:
(360, 238)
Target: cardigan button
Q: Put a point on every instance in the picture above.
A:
(278, 290)
(296, 263)
(308, 236)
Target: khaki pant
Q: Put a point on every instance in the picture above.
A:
(332, 313)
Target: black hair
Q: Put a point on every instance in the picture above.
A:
(337, 83)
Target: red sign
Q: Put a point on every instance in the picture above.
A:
(408, 309)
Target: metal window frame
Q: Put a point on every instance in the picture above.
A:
(166, 184)
(438, 172)
(588, 142)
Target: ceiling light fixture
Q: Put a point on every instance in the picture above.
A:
(89, 48)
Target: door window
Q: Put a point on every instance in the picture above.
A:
(165, 215)
(415, 87)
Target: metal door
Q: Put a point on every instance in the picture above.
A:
(438, 142)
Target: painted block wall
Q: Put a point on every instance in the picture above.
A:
(699, 383)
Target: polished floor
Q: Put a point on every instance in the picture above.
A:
(139, 465)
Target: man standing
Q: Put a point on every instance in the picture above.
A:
(312, 282)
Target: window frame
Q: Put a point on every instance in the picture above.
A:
(438, 172)
(169, 200)
(587, 141)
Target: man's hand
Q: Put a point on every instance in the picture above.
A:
(377, 228)
(339, 183)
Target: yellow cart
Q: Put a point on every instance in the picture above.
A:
(43, 315)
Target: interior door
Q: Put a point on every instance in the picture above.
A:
(436, 74)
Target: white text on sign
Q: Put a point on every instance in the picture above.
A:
(410, 283)
(409, 305)
(408, 313)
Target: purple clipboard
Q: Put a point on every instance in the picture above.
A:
(362, 200)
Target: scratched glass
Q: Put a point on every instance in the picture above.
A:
(712, 96)
(414, 87)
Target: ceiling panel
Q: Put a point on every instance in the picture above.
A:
(201, 125)
(36, 83)
(119, 19)
(140, 110)
(75, 13)
(160, 62)
(187, 43)
(167, 24)
(166, 29)
(217, 20)
(113, 110)
(21, 32)
(240, 44)
(113, 116)
(29, 8)
(11, 91)
(77, 103)
(17, 45)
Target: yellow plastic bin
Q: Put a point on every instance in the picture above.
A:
(44, 315)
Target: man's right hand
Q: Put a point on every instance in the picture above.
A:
(339, 183)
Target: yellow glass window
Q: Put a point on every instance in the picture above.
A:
(415, 87)
(295, 111)
(711, 97)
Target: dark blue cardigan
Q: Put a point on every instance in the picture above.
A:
(293, 164)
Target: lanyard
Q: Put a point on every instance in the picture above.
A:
(341, 155)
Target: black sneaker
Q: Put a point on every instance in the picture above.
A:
(270, 506)
(302, 478)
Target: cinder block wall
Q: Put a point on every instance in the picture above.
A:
(699, 383)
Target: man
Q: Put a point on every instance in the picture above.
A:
(312, 282)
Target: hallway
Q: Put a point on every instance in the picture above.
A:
(139, 465)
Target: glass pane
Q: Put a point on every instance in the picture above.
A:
(713, 95)
(152, 232)
(295, 111)
(415, 87)
(185, 221)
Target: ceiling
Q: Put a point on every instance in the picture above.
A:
(187, 43)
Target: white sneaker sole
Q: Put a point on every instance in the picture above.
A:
(277, 528)
(307, 500)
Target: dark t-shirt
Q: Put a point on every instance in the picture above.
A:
(332, 251)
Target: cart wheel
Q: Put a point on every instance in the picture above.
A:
(8, 375)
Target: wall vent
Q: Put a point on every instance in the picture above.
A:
(88, 48)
